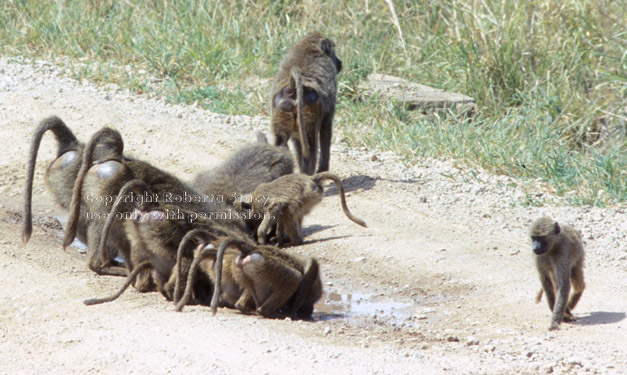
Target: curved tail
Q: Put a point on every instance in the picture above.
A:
(180, 278)
(88, 158)
(319, 177)
(206, 252)
(243, 248)
(300, 97)
(129, 280)
(67, 142)
(139, 187)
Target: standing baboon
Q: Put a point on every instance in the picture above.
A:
(278, 283)
(559, 260)
(303, 100)
(285, 201)
(60, 174)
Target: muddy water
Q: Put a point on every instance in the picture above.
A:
(335, 305)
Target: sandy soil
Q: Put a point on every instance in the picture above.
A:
(442, 281)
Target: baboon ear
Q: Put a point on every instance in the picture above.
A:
(327, 46)
(557, 228)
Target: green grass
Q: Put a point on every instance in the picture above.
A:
(546, 74)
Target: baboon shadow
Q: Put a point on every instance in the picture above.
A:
(323, 240)
(323, 317)
(600, 317)
(352, 183)
(361, 182)
(315, 229)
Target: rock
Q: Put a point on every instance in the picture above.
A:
(417, 96)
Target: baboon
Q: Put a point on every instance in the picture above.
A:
(285, 201)
(278, 283)
(60, 174)
(104, 170)
(303, 100)
(559, 260)
(232, 293)
(238, 176)
(157, 234)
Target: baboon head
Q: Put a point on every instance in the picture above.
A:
(328, 47)
(542, 234)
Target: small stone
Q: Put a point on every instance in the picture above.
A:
(452, 339)
(472, 341)
(327, 331)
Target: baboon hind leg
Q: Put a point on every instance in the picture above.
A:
(578, 284)
(325, 143)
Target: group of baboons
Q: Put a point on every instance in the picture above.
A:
(219, 240)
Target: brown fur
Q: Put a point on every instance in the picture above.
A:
(60, 174)
(559, 259)
(278, 283)
(104, 170)
(238, 176)
(157, 234)
(303, 100)
(285, 201)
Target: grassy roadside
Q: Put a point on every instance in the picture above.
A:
(547, 75)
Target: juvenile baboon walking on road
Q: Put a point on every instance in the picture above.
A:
(559, 260)
(303, 100)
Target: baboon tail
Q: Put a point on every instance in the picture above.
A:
(137, 186)
(194, 233)
(129, 280)
(66, 140)
(209, 250)
(319, 177)
(88, 156)
(218, 282)
(300, 97)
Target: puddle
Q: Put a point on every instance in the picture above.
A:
(335, 305)
(82, 248)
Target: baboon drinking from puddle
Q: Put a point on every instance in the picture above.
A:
(104, 170)
(303, 100)
(155, 232)
(285, 201)
(559, 260)
(278, 283)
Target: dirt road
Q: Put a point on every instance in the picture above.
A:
(442, 281)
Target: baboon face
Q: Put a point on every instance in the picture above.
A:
(328, 47)
(539, 245)
(542, 232)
